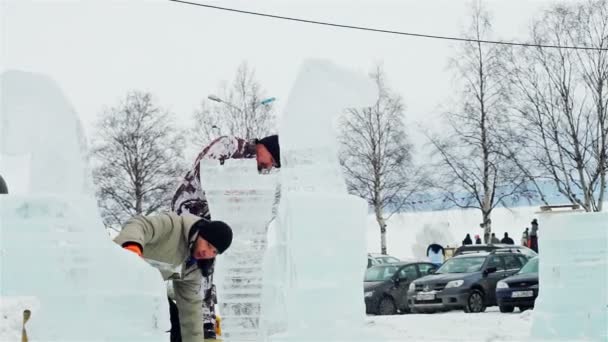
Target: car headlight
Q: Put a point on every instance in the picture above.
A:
(369, 294)
(412, 287)
(502, 285)
(454, 283)
(535, 286)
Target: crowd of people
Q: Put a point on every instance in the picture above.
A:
(529, 238)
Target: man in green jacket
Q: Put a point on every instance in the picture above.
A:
(181, 247)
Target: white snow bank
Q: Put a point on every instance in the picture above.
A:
(452, 326)
(11, 315)
(404, 229)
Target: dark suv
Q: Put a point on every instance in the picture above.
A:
(467, 281)
(385, 286)
(529, 253)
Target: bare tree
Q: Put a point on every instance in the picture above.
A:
(561, 99)
(137, 155)
(241, 112)
(376, 155)
(472, 169)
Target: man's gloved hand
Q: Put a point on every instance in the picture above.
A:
(133, 247)
(209, 330)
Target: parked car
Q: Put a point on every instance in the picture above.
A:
(466, 281)
(529, 253)
(383, 258)
(519, 290)
(385, 286)
(372, 262)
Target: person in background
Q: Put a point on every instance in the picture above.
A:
(436, 254)
(477, 240)
(494, 239)
(189, 198)
(533, 243)
(507, 240)
(524, 238)
(467, 240)
(179, 247)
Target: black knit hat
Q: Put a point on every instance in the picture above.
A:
(271, 143)
(217, 233)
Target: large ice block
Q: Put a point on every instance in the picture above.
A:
(238, 195)
(55, 256)
(316, 255)
(87, 288)
(573, 277)
(39, 129)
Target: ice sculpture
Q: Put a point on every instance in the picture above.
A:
(573, 276)
(41, 130)
(240, 196)
(56, 258)
(317, 250)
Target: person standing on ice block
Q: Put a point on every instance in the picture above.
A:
(190, 199)
(179, 246)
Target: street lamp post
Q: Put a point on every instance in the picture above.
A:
(217, 99)
(264, 102)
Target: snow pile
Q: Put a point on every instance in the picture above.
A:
(573, 274)
(314, 265)
(56, 257)
(407, 233)
(490, 326)
(12, 316)
(431, 233)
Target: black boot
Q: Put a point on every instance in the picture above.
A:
(176, 334)
(209, 330)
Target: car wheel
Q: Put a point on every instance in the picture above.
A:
(405, 310)
(524, 308)
(506, 308)
(475, 302)
(387, 307)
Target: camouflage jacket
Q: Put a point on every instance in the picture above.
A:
(190, 196)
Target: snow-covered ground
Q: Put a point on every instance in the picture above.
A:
(452, 326)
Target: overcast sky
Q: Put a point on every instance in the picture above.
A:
(98, 50)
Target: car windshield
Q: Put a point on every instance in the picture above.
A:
(380, 273)
(388, 259)
(462, 265)
(527, 252)
(530, 267)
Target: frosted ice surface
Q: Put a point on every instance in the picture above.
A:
(314, 265)
(35, 117)
(237, 194)
(321, 91)
(54, 250)
(573, 274)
